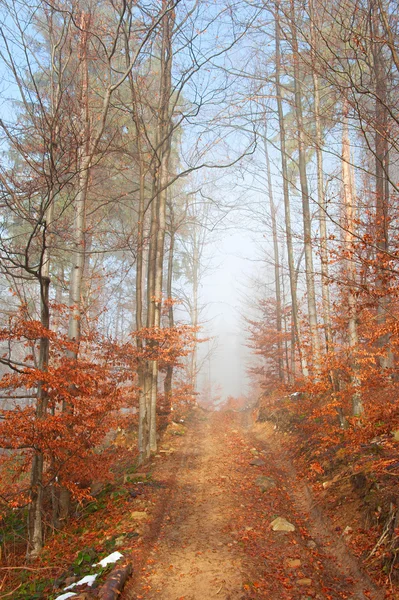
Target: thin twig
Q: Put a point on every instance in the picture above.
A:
(25, 568)
(220, 589)
(11, 593)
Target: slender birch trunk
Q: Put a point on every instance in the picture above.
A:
(144, 430)
(273, 212)
(168, 382)
(381, 185)
(320, 191)
(159, 264)
(35, 520)
(194, 308)
(165, 128)
(79, 235)
(307, 229)
(287, 211)
(142, 368)
(350, 268)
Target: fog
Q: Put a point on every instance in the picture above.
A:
(225, 291)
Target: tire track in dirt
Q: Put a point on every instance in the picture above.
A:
(192, 559)
(331, 547)
(214, 538)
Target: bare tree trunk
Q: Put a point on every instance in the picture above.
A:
(144, 428)
(36, 483)
(158, 289)
(75, 296)
(169, 292)
(150, 370)
(194, 308)
(287, 211)
(285, 326)
(165, 127)
(35, 520)
(307, 229)
(76, 281)
(381, 183)
(350, 268)
(320, 192)
(273, 211)
(79, 237)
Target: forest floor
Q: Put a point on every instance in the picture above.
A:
(209, 535)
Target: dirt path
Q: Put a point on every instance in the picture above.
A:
(214, 540)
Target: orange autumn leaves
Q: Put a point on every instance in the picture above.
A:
(84, 398)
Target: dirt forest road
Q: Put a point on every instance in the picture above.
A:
(213, 537)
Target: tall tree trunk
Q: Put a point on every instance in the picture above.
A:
(142, 369)
(284, 321)
(78, 261)
(35, 519)
(150, 373)
(307, 228)
(165, 128)
(320, 189)
(36, 484)
(350, 268)
(157, 301)
(381, 183)
(276, 257)
(287, 211)
(79, 235)
(194, 307)
(144, 429)
(75, 296)
(168, 382)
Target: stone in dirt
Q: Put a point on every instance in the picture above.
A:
(139, 515)
(119, 541)
(265, 483)
(304, 582)
(311, 544)
(281, 524)
(257, 462)
(293, 563)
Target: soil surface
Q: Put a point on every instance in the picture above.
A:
(211, 536)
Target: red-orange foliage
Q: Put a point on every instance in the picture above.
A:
(84, 402)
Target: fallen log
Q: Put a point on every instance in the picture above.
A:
(115, 582)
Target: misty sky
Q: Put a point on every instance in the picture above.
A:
(224, 290)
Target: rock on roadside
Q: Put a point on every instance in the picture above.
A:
(257, 462)
(281, 524)
(139, 515)
(265, 483)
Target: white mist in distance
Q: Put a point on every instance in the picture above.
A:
(234, 260)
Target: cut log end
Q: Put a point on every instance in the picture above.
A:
(115, 582)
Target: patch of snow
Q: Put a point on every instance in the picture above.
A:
(89, 579)
(65, 596)
(111, 558)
